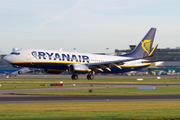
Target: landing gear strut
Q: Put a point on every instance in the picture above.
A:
(74, 76)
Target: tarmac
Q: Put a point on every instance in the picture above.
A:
(9, 96)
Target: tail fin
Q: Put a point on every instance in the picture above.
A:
(144, 48)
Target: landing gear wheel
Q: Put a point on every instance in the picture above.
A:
(90, 77)
(74, 77)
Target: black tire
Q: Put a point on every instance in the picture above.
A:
(75, 77)
(72, 77)
(88, 77)
(91, 77)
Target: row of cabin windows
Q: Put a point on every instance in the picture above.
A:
(97, 60)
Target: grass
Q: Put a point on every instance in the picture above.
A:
(109, 110)
(160, 110)
(33, 86)
(98, 79)
(22, 86)
(112, 91)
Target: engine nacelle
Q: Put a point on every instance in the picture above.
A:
(52, 71)
(79, 68)
(19, 72)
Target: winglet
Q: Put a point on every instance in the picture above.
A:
(151, 54)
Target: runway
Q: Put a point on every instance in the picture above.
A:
(102, 84)
(91, 86)
(87, 98)
(8, 96)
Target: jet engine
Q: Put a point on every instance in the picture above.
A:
(79, 68)
(19, 72)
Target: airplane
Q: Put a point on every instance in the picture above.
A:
(11, 72)
(84, 63)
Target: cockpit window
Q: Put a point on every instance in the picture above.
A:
(14, 53)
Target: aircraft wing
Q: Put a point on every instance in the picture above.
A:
(7, 74)
(116, 63)
(110, 63)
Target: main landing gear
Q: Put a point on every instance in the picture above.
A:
(74, 76)
(89, 76)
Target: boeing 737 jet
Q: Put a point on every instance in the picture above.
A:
(82, 63)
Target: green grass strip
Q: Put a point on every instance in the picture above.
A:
(112, 91)
(98, 79)
(132, 110)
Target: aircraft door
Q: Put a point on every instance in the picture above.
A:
(28, 53)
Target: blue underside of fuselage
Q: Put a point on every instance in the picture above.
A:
(60, 66)
(64, 66)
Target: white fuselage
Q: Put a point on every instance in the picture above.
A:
(49, 59)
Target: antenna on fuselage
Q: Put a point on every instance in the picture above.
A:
(75, 50)
(60, 49)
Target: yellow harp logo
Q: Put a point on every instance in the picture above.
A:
(146, 45)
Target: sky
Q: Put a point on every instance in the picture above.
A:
(90, 26)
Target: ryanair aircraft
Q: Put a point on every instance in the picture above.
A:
(56, 62)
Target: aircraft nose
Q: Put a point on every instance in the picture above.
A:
(6, 58)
